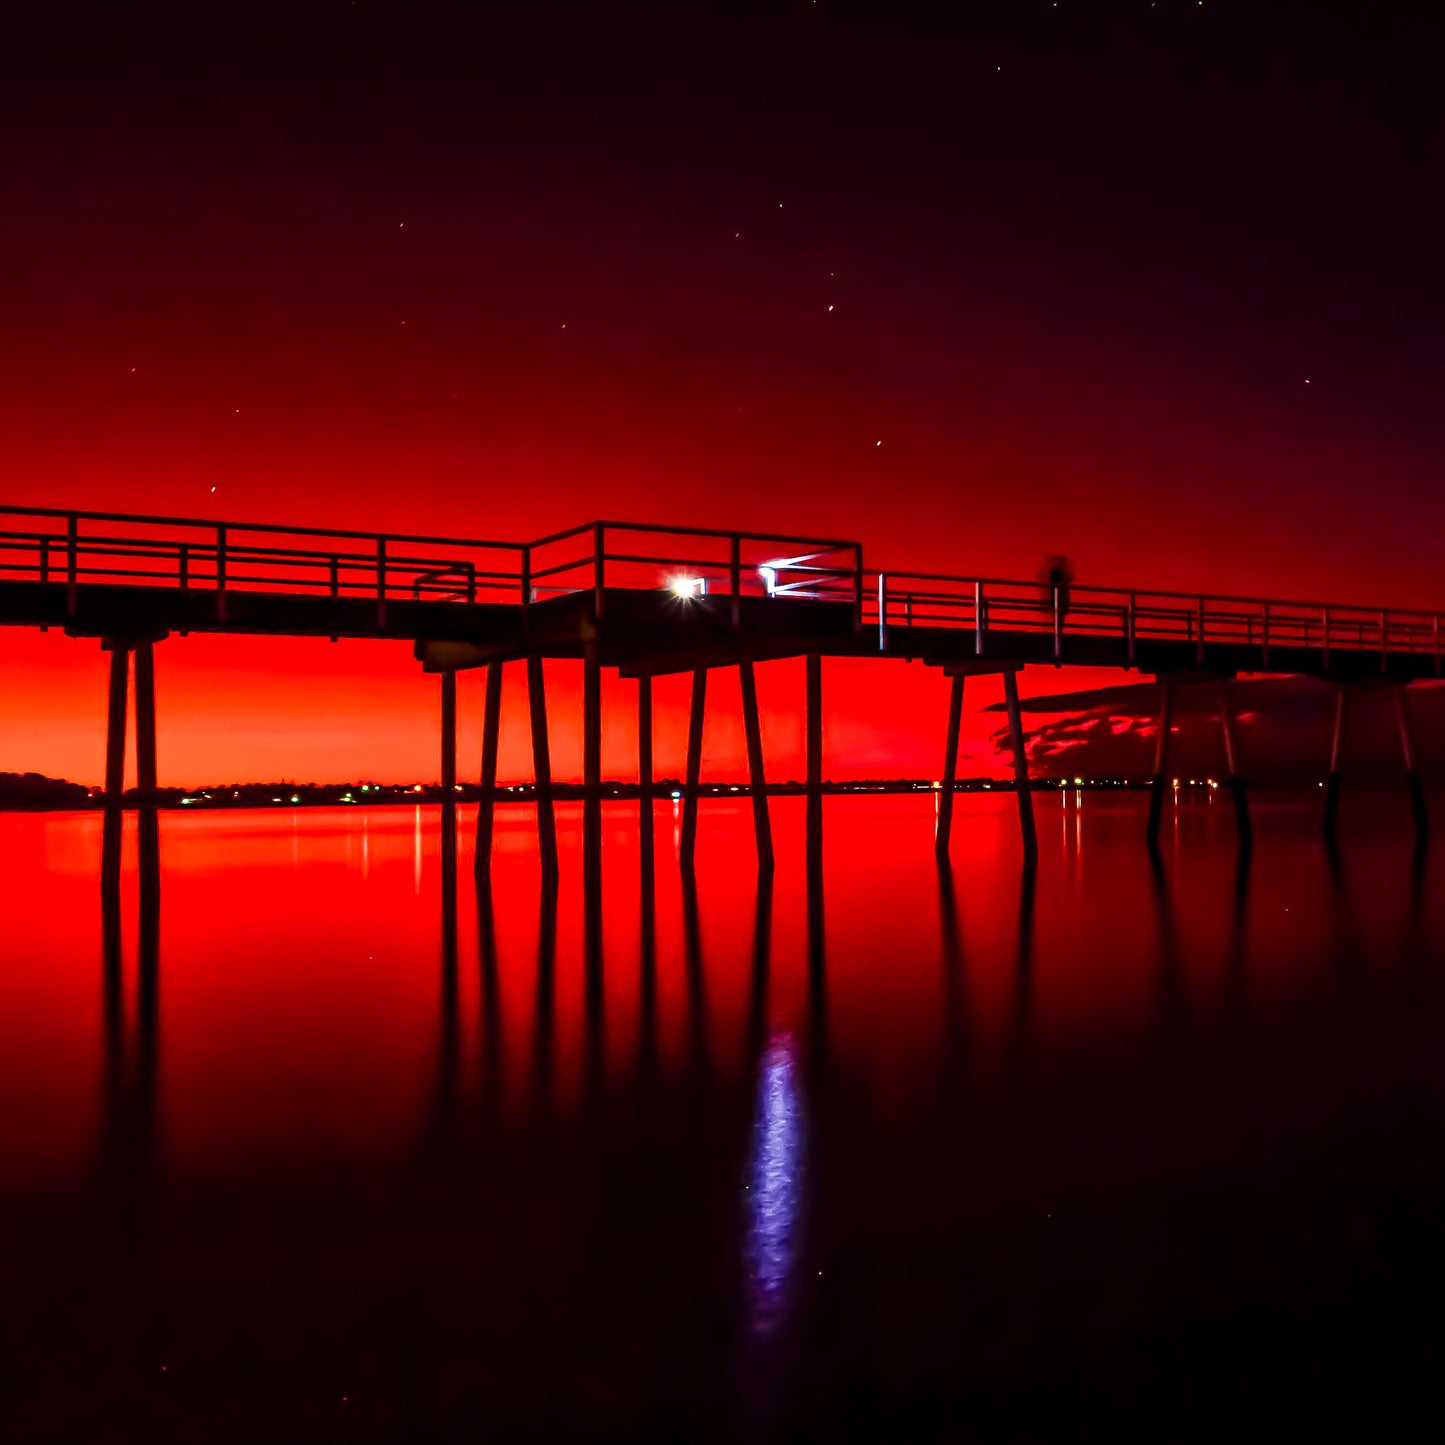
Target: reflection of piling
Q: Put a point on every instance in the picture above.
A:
(490, 994)
(546, 989)
(1337, 748)
(1161, 760)
(592, 955)
(694, 767)
(491, 736)
(647, 942)
(817, 937)
(696, 978)
(1022, 786)
(758, 994)
(954, 1001)
(542, 767)
(950, 767)
(448, 1042)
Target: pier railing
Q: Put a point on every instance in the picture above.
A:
(79, 549)
(124, 549)
(985, 605)
(695, 562)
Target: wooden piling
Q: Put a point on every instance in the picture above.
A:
(644, 762)
(591, 749)
(148, 829)
(694, 767)
(1337, 750)
(1412, 776)
(542, 767)
(449, 772)
(1022, 786)
(814, 706)
(757, 780)
(491, 735)
(1161, 760)
(1233, 781)
(114, 760)
(950, 768)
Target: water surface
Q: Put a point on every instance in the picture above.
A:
(327, 1149)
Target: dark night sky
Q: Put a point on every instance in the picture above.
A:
(1151, 284)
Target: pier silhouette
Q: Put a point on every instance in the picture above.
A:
(647, 600)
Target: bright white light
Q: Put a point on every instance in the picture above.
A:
(676, 793)
(689, 586)
(769, 574)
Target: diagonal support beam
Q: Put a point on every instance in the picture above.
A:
(694, 767)
(950, 768)
(1233, 781)
(1022, 785)
(1161, 760)
(757, 779)
(542, 767)
(491, 736)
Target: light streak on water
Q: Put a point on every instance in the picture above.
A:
(775, 1189)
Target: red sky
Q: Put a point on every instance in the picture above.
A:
(1151, 288)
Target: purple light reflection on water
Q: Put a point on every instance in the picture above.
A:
(775, 1189)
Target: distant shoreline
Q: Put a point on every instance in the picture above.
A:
(32, 793)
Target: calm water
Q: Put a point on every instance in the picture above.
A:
(325, 1153)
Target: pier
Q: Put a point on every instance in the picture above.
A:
(647, 599)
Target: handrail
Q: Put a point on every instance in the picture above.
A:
(211, 523)
(230, 555)
(1074, 589)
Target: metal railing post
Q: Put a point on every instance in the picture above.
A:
(220, 574)
(735, 579)
(72, 546)
(1384, 641)
(380, 583)
(599, 569)
(1325, 638)
(882, 612)
(1199, 641)
(526, 578)
(45, 559)
(978, 623)
(1132, 626)
(857, 587)
(183, 565)
(1436, 630)
(1264, 646)
(1058, 626)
